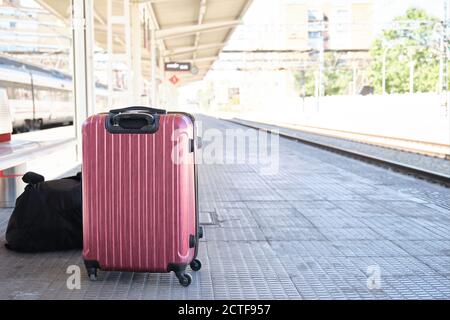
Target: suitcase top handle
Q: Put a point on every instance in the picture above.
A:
(139, 108)
(132, 120)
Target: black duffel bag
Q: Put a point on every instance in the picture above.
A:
(47, 215)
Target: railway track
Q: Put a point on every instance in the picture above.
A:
(429, 175)
(427, 148)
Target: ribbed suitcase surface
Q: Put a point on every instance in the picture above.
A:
(139, 206)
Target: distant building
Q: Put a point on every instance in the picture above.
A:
(343, 24)
(270, 53)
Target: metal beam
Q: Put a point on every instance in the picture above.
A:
(177, 32)
(147, 59)
(188, 75)
(156, 24)
(153, 1)
(201, 15)
(203, 59)
(99, 18)
(184, 50)
(188, 80)
(103, 26)
(203, 64)
(49, 8)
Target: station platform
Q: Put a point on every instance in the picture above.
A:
(317, 229)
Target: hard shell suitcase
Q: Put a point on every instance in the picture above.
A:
(140, 209)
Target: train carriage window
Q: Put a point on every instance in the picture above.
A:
(48, 94)
(22, 94)
(44, 95)
(37, 94)
(67, 96)
(17, 91)
(11, 92)
(26, 94)
(61, 95)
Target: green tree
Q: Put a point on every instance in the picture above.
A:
(413, 37)
(305, 82)
(336, 77)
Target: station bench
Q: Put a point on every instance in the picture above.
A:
(14, 155)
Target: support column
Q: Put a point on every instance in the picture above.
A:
(136, 54)
(162, 76)
(445, 62)
(153, 47)
(109, 49)
(383, 72)
(82, 53)
(411, 76)
(90, 49)
(11, 185)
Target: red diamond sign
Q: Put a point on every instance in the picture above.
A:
(174, 79)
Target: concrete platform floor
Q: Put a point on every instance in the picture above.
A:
(324, 227)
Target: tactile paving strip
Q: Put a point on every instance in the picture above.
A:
(309, 231)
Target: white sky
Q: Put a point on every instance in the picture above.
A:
(386, 10)
(266, 12)
(261, 11)
(29, 3)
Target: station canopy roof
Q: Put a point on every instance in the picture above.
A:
(188, 30)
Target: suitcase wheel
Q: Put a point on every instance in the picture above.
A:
(195, 265)
(185, 279)
(92, 273)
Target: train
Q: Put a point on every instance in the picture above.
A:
(39, 97)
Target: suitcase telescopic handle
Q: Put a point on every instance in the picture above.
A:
(140, 108)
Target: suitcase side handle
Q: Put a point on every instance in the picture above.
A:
(132, 122)
(139, 108)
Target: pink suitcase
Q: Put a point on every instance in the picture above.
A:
(140, 209)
